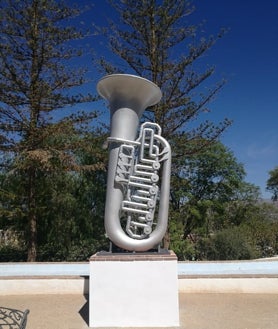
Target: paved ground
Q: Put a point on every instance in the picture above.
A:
(197, 311)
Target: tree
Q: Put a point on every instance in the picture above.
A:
(203, 182)
(209, 195)
(156, 41)
(272, 183)
(212, 174)
(39, 83)
(70, 207)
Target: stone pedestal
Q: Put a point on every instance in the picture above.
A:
(133, 290)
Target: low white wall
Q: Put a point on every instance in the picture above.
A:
(263, 285)
(254, 267)
(67, 285)
(194, 277)
(44, 286)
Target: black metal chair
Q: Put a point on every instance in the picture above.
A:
(12, 319)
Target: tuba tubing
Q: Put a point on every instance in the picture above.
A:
(128, 97)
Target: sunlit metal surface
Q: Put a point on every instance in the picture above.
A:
(135, 165)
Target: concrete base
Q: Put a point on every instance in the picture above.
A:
(133, 290)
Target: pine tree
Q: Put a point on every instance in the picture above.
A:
(155, 40)
(39, 82)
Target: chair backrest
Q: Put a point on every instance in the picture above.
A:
(12, 319)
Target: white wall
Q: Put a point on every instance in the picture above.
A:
(194, 277)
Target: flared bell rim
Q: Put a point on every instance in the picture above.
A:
(118, 84)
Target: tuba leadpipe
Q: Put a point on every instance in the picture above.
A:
(134, 165)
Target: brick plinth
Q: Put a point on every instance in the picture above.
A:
(133, 257)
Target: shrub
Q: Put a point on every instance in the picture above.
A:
(229, 244)
(12, 254)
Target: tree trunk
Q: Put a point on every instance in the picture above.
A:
(32, 248)
(32, 218)
(166, 240)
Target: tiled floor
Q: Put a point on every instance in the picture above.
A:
(197, 311)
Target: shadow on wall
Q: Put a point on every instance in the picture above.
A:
(84, 311)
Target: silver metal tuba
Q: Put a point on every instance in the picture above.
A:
(135, 165)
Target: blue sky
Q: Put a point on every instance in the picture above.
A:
(247, 56)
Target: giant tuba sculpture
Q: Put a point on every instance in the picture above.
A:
(136, 165)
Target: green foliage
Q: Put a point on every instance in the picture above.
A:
(215, 214)
(272, 183)
(262, 230)
(182, 247)
(209, 191)
(12, 254)
(229, 244)
(12, 244)
(81, 251)
(38, 81)
(70, 208)
(254, 237)
(211, 174)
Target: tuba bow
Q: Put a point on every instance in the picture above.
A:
(135, 165)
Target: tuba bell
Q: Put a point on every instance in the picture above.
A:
(139, 169)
